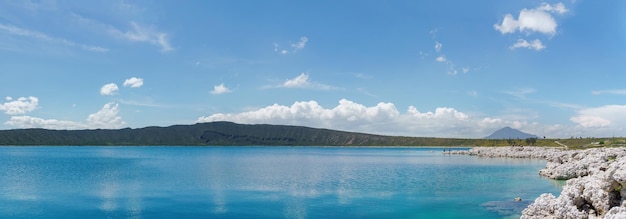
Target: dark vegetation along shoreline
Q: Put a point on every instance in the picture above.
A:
(232, 134)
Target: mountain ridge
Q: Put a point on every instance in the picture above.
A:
(510, 133)
(209, 134)
(222, 134)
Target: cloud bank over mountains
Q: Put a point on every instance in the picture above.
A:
(385, 118)
(105, 118)
(382, 118)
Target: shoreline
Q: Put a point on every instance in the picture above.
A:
(596, 180)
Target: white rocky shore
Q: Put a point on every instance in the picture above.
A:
(595, 180)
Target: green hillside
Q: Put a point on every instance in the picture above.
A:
(232, 134)
(215, 133)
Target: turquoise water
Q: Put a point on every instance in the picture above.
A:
(262, 182)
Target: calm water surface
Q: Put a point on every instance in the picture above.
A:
(262, 182)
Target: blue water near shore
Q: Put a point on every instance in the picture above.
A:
(263, 182)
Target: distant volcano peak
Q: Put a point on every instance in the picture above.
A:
(510, 133)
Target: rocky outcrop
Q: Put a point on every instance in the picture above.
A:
(595, 186)
(576, 163)
(513, 152)
(596, 193)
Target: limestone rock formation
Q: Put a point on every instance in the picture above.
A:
(596, 179)
(595, 192)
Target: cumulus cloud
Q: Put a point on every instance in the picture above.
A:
(311, 111)
(590, 121)
(133, 82)
(220, 89)
(144, 34)
(532, 20)
(536, 20)
(20, 106)
(383, 118)
(109, 89)
(535, 44)
(604, 116)
(105, 118)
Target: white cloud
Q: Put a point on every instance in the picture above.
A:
(41, 36)
(590, 121)
(133, 82)
(144, 34)
(298, 82)
(311, 111)
(383, 118)
(441, 58)
(613, 116)
(109, 89)
(532, 20)
(20, 106)
(34, 122)
(220, 89)
(537, 20)
(535, 44)
(300, 44)
(303, 81)
(105, 118)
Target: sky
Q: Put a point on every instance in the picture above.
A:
(407, 68)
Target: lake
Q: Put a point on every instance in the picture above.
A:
(263, 182)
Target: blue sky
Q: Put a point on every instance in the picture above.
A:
(413, 68)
